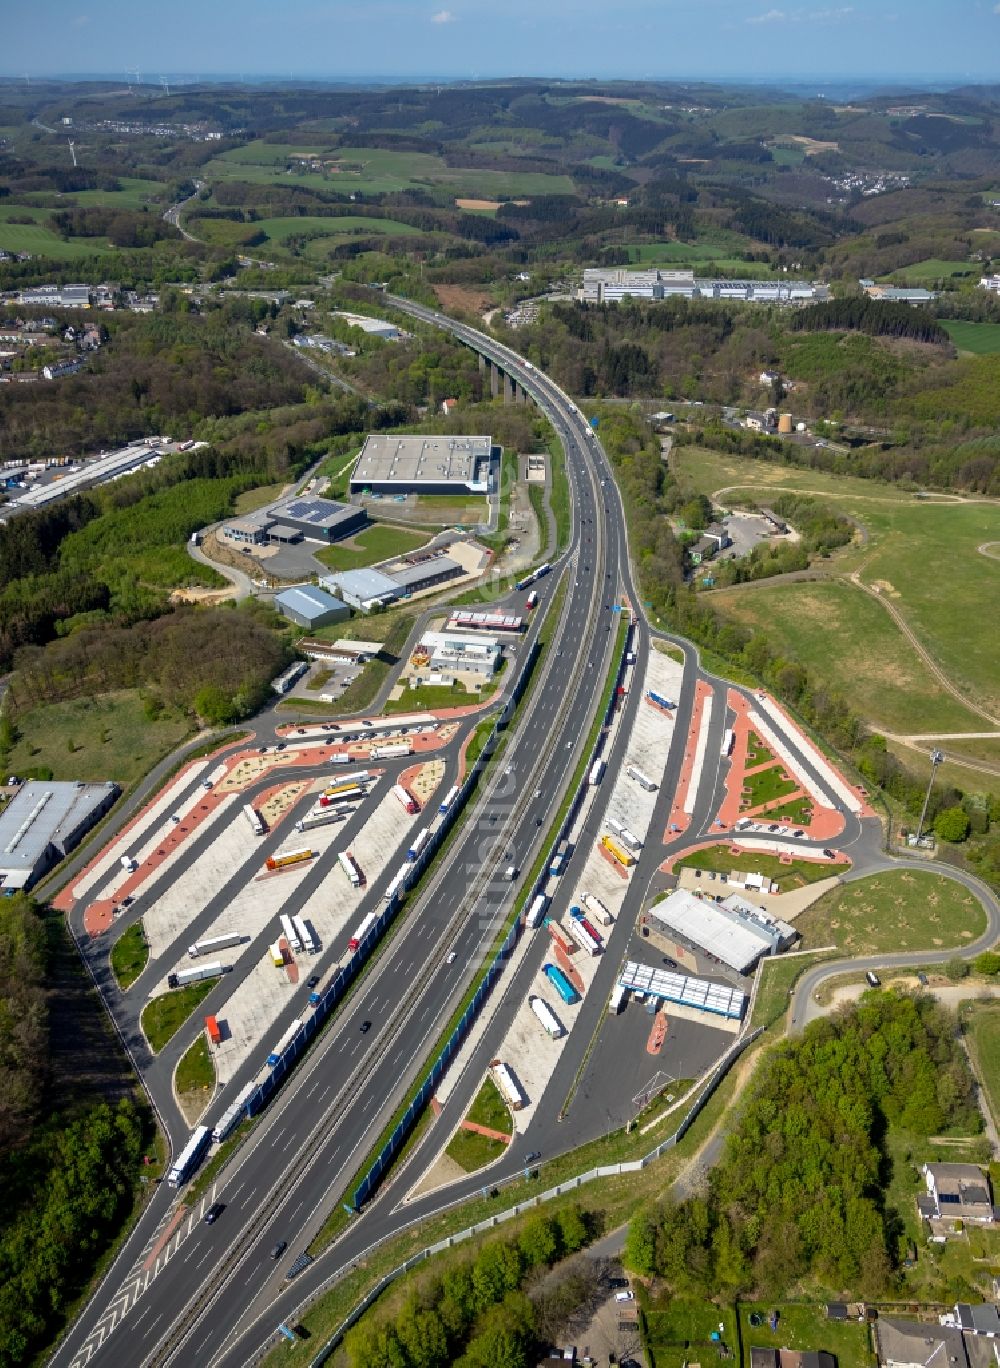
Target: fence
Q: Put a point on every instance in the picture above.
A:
(605, 1171)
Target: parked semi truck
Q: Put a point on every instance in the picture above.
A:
(203, 971)
(561, 983)
(643, 780)
(289, 857)
(190, 1156)
(254, 819)
(234, 1113)
(277, 955)
(398, 882)
(728, 741)
(214, 1033)
(214, 944)
(286, 1039)
(616, 999)
(395, 751)
(341, 794)
(418, 843)
(577, 928)
(323, 816)
(405, 798)
(660, 701)
(305, 935)
(627, 838)
(291, 935)
(618, 853)
(510, 1089)
(596, 773)
(351, 868)
(597, 909)
(361, 930)
(536, 911)
(448, 798)
(550, 1022)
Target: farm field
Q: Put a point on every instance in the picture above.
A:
(905, 536)
(933, 268)
(375, 170)
(901, 910)
(134, 193)
(983, 339)
(41, 241)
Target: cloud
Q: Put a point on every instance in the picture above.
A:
(823, 16)
(80, 20)
(996, 9)
(443, 17)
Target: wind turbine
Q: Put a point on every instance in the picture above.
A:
(72, 151)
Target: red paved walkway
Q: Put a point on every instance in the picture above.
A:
(678, 817)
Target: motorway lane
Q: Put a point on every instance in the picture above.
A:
(578, 618)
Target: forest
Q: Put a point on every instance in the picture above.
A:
(69, 1170)
(487, 1312)
(799, 1196)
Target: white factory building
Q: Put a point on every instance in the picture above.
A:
(735, 932)
(393, 463)
(451, 651)
(42, 823)
(607, 285)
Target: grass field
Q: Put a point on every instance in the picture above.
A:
(982, 1029)
(430, 697)
(252, 499)
(195, 1069)
(983, 339)
(373, 544)
(134, 193)
(765, 786)
(471, 1150)
(794, 875)
(110, 735)
(41, 241)
(679, 1330)
(489, 1109)
(905, 537)
(901, 910)
(804, 1327)
(162, 1017)
(279, 230)
(933, 268)
(376, 170)
(129, 955)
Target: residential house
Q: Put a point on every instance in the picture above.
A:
(912, 1344)
(981, 1319)
(957, 1192)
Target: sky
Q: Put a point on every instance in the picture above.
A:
(763, 40)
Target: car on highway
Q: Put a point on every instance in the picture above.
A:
(279, 1249)
(530, 1158)
(213, 1213)
(312, 980)
(451, 957)
(365, 1027)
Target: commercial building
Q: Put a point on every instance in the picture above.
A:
(393, 464)
(296, 519)
(422, 570)
(68, 296)
(400, 578)
(894, 294)
(353, 652)
(447, 652)
(374, 327)
(42, 823)
(603, 285)
(311, 607)
(735, 932)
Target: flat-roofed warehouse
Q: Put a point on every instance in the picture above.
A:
(735, 933)
(394, 464)
(42, 823)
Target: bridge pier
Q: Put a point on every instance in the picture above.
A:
(508, 388)
(494, 380)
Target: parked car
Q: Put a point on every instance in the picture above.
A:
(873, 979)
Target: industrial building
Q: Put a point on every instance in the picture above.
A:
(374, 327)
(364, 589)
(896, 294)
(447, 652)
(606, 285)
(296, 519)
(393, 464)
(735, 932)
(68, 296)
(401, 578)
(343, 649)
(42, 823)
(311, 607)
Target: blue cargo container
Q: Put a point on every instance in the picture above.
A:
(561, 983)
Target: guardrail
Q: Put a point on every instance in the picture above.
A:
(604, 1171)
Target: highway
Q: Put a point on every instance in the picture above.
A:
(219, 1299)
(337, 1100)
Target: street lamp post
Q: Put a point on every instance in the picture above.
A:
(936, 758)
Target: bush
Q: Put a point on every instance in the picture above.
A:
(987, 964)
(956, 970)
(952, 824)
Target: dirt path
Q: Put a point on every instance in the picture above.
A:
(912, 743)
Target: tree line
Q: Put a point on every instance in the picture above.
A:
(878, 318)
(800, 1193)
